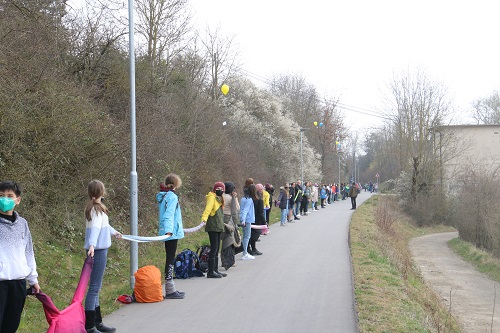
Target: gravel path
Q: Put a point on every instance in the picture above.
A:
(470, 294)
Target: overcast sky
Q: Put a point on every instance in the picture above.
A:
(350, 49)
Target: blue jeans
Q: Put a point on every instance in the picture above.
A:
(284, 215)
(297, 208)
(247, 229)
(92, 299)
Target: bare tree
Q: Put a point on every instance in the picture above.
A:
(164, 24)
(487, 110)
(221, 56)
(418, 106)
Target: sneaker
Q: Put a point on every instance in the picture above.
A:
(296, 218)
(174, 295)
(247, 257)
(257, 253)
(298, 215)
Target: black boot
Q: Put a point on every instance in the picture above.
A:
(216, 268)
(90, 322)
(98, 322)
(211, 273)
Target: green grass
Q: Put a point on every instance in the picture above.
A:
(481, 260)
(390, 294)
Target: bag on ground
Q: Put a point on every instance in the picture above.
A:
(148, 287)
(203, 254)
(186, 264)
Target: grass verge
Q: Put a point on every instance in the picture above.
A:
(483, 261)
(390, 294)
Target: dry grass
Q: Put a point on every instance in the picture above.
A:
(390, 294)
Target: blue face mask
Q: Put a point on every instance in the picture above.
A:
(6, 204)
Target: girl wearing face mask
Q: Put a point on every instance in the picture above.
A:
(213, 217)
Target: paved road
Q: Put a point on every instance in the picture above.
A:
(471, 295)
(302, 283)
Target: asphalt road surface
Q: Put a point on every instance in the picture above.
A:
(302, 283)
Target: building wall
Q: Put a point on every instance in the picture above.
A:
(468, 148)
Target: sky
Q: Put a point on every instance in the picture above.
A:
(351, 49)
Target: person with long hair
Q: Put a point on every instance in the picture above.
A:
(98, 234)
(260, 217)
(283, 204)
(247, 218)
(170, 223)
(213, 217)
(231, 240)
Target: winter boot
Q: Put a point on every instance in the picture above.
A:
(98, 322)
(211, 273)
(90, 322)
(216, 268)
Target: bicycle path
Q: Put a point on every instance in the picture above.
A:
(302, 283)
(470, 295)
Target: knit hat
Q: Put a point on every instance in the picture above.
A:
(259, 187)
(229, 187)
(219, 185)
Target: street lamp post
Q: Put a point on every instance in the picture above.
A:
(301, 158)
(133, 173)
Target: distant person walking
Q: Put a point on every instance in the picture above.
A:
(353, 194)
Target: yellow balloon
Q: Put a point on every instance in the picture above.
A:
(315, 123)
(224, 89)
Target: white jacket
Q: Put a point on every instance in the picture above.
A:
(17, 259)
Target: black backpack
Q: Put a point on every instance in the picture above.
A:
(203, 255)
(185, 265)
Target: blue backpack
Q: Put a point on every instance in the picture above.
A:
(185, 265)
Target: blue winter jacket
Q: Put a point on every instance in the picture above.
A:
(247, 211)
(170, 217)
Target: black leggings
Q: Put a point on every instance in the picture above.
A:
(170, 248)
(215, 238)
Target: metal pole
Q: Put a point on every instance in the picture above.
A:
(301, 159)
(339, 166)
(133, 160)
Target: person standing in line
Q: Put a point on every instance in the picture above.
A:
(306, 196)
(353, 193)
(260, 217)
(314, 197)
(213, 217)
(323, 195)
(170, 223)
(270, 191)
(298, 197)
(98, 234)
(292, 216)
(17, 258)
(230, 237)
(283, 204)
(247, 217)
